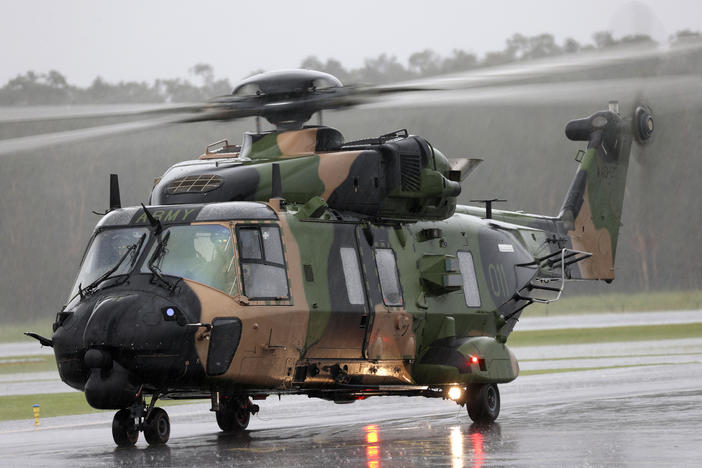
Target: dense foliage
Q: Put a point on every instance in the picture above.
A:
(52, 88)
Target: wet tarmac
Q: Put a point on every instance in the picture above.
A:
(638, 415)
(604, 404)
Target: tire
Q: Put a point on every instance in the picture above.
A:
(483, 403)
(157, 427)
(234, 416)
(124, 432)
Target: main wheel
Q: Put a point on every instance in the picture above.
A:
(157, 427)
(124, 431)
(233, 415)
(483, 403)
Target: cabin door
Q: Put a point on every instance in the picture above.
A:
(390, 333)
(344, 327)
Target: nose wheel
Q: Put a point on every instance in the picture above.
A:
(125, 431)
(128, 422)
(157, 427)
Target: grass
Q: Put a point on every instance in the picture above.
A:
(14, 332)
(620, 302)
(606, 334)
(576, 369)
(55, 404)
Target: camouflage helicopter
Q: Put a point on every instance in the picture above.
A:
(300, 263)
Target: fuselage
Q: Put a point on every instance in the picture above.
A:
(250, 295)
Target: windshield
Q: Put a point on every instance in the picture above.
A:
(105, 252)
(202, 253)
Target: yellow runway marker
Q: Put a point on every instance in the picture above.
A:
(36, 409)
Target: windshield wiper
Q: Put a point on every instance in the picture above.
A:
(158, 253)
(135, 257)
(132, 249)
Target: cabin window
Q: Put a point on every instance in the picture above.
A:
(201, 253)
(263, 269)
(352, 275)
(389, 280)
(470, 282)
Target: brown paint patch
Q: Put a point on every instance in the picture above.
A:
(598, 242)
(334, 169)
(391, 336)
(297, 142)
(272, 336)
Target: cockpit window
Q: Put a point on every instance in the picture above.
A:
(201, 253)
(105, 252)
(262, 264)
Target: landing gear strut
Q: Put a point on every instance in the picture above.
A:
(153, 421)
(483, 402)
(233, 411)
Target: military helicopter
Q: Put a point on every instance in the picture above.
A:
(301, 263)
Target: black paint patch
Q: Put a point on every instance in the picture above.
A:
(240, 183)
(576, 194)
(364, 188)
(343, 330)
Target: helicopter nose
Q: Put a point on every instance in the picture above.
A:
(133, 339)
(136, 322)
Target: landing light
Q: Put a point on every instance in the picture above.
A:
(455, 393)
(170, 312)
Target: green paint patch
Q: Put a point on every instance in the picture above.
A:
(605, 334)
(55, 404)
(25, 364)
(576, 369)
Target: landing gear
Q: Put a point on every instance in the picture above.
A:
(125, 432)
(128, 422)
(157, 427)
(234, 412)
(483, 402)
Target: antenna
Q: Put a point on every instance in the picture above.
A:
(115, 202)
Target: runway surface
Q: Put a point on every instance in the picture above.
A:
(608, 404)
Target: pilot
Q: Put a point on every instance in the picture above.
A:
(221, 266)
(182, 258)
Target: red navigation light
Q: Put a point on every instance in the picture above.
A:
(474, 359)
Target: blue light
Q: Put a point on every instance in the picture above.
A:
(170, 312)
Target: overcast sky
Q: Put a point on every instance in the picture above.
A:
(145, 40)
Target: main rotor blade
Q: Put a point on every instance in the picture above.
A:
(552, 68)
(25, 114)
(28, 143)
(670, 93)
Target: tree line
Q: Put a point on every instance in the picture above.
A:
(52, 88)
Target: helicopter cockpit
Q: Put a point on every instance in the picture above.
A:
(201, 252)
(112, 249)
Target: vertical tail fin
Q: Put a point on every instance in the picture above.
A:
(592, 210)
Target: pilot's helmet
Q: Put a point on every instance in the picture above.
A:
(220, 238)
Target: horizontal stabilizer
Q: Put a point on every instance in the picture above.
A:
(462, 167)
